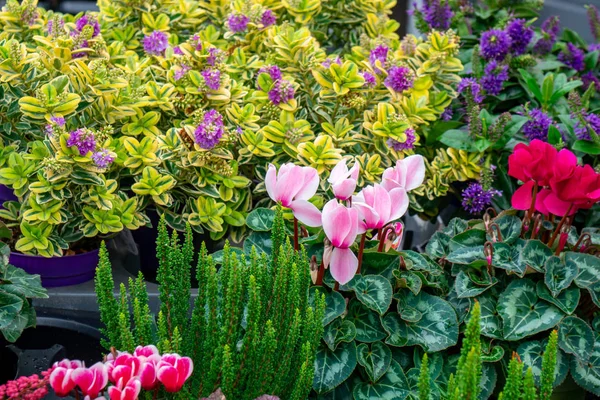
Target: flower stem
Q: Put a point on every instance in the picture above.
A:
(336, 287)
(295, 234)
(383, 232)
(532, 207)
(320, 275)
(361, 249)
(560, 224)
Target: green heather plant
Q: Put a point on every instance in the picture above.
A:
(17, 288)
(251, 331)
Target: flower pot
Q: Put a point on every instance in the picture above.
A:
(568, 390)
(59, 271)
(6, 194)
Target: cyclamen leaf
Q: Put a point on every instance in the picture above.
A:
(333, 367)
(559, 275)
(495, 354)
(473, 256)
(531, 353)
(417, 262)
(335, 305)
(376, 360)
(469, 238)
(21, 283)
(576, 337)
(455, 226)
(587, 373)
(435, 331)
(491, 323)
(523, 314)
(587, 265)
(340, 330)
(465, 287)
(508, 258)
(260, 219)
(409, 280)
(260, 240)
(393, 385)
(437, 246)
(567, 300)
(510, 228)
(461, 306)
(10, 306)
(373, 291)
(535, 254)
(367, 323)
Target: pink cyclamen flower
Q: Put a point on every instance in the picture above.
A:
(146, 352)
(341, 226)
(377, 207)
(393, 237)
(293, 186)
(408, 173)
(343, 181)
(173, 370)
(124, 367)
(125, 391)
(91, 380)
(61, 381)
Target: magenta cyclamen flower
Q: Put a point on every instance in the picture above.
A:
(212, 78)
(281, 92)
(209, 132)
(399, 79)
(341, 226)
(103, 158)
(408, 144)
(549, 32)
(268, 18)
(273, 71)
(91, 380)
(572, 56)
(237, 23)
(494, 76)
(495, 44)
(520, 35)
(475, 199)
(538, 125)
(470, 87)
(437, 13)
(83, 139)
(156, 43)
(88, 20)
(370, 80)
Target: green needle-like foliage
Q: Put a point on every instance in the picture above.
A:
(251, 329)
(548, 367)
(514, 379)
(108, 305)
(424, 384)
(465, 385)
(529, 390)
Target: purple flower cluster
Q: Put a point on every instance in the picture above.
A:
(212, 78)
(88, 20)
(408, 144)
(281, 92)
(495, 44)
(470, 87)
(378, 53)
(447, 114)
(549, 32)
(181, 71)
(399, 79)
(177, 50)
(475, 199)
(273, 71)
(215, 56)
(54, 30)
(237, 22)
(520, 35)
(537, 126)
(209, 132)
(327, 63)
(103, 158)
(495, 74)
(592, 122)
(156, 43)
(437, 13)
(83, 139)
(370, 80)
(268, 18)
(196, 42)
(588, 78)
(572, 57)
(54, 122)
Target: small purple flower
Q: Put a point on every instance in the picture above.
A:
(594, 47)
(215, 56)
(520, 35)
(237, 23)
(196, 42)
(327, 63)
(55, 122)
(268, 18)
(79, 54)
(156, 43)
(212, 78)
(83, 139)
(588, 78)
(239, 130)
(408, 144)
(447, 114)
(181, 71)
(572, 57)
(470, 87)
(209, 132)
(495, 44)
(494, 76)
(549, 32)
(88, 20)
(103, 158)
(378, 53)
(537, 126)
(582, 132)
(177, 50)
(273, 71)
(370, 80)
(475, 199)
(594, 20)
(54, 30)
(437, 14)
(281, 92)
(399, 79)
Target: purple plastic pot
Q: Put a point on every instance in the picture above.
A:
(6, 194)
(59, 271)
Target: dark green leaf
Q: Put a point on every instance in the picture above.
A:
(491, 324)
(576, 337)
(437, 247)
(340, 330)
(376, 360)
(469, 238)
(508, 258)
(393, 385)
(586, 146)
(333, 367)
(535, 254)
(588, 267)
(457, 139)
(473, 256)
(10, 306)
(373, 291)
(465, 287)
(367, 323)
(260, 240)
(531, 354)
(260, 219)
(567, 300)
(558, 276)
(510, 228)
(417, 262)
(409, 280)
(335, 305)
(587, 373)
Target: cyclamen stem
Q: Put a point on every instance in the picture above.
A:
(295, 234)
(560, 224)
(320, 275)
(336, 287)
(361, 249)
(532, 207)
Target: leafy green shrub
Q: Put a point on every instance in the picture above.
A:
(251, 329)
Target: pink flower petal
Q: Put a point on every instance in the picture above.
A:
(271, 181)
(556, 206)
(339, 172)
(310, 184)
(523, 196)
(185, 366)
(343, 265)
(354, 171)
(336, 222)
(306, 212)
(167, 375)
(344, 189)
(415, 171)
(399, 203)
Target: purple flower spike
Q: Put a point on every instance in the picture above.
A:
(156, 43)
(475, 199)
(88, 20)
(437, 13)
(470, 86)
(212, 78)
(273, 71)
(572, 57)
(209, 132)
(83, 139)
(102, 158)
(378, 53)
(520, 35)
(268, 18)
(408, 144)
(495, 44)
(537, 126)
(549, 32)
(370, 80)
(399, 79)
(237, 23)
(494, 76)
(281, 92)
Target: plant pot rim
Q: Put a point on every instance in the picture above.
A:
(16, 253)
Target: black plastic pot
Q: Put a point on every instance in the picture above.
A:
(52, 340)
(145, 240)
